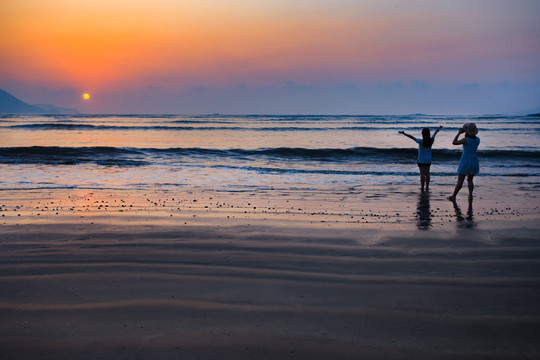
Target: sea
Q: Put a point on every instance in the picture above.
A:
(253, 152)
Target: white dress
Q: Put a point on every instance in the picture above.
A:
(469, 164)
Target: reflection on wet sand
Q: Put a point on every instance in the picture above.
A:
(423, 211)
(464, 221)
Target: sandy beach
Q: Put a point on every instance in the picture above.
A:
(269, 180)
(105, 274)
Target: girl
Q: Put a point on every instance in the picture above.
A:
(424, 154)
(468, 165)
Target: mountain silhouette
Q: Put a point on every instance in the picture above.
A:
(9, 104)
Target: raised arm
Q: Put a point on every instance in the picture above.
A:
(407, 135)
(436, 132)
(461, 141)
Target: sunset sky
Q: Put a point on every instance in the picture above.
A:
(273, 56)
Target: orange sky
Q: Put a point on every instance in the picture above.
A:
(120, 45)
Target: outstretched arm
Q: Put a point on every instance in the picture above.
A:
(407, 135)
(461, 141)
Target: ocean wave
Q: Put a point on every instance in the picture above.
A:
(75, 126)
(124, 156)
(388, 127)
(55, 155)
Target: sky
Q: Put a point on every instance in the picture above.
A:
(273, 56)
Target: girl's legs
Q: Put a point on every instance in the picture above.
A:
(470, 184)
(424, 176)
(459, 184)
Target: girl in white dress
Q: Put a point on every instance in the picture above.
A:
(468, 165)
(424, 154)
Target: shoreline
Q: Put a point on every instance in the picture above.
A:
(494, 202)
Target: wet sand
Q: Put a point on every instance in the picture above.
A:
(371, 274)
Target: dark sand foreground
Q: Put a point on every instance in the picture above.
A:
(104, 275)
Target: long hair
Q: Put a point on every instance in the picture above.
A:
(426, 138)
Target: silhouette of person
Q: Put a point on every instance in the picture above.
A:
(465, 221)
(423, 211)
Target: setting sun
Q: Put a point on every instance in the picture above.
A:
(86, 96)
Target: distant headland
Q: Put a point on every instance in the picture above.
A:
(9, 104)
